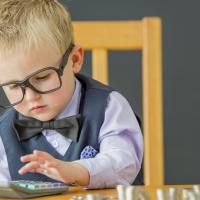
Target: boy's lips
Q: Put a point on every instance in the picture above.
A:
(38, 108)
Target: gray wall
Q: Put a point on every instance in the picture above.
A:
(180, 73)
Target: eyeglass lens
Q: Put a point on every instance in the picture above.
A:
(42, 82)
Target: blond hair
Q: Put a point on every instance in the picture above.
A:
(25, 24)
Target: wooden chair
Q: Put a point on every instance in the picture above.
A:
(144, 35)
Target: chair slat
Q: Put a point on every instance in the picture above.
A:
(100, 65)
(152, 102)
(111, 35)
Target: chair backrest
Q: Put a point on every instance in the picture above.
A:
(144, 35)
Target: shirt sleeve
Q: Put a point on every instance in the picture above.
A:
(121, 147)
(4, 172)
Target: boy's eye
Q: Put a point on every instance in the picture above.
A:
(13, 86)
(42, 77)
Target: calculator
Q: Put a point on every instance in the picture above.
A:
(28, 189)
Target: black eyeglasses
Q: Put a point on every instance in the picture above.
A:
(43, 81)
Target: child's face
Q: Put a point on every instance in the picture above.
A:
(18, 65)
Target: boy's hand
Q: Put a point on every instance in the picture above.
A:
(43, 163)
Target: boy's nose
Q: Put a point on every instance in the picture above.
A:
(31, 95)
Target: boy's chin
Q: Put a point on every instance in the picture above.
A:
(44, 118)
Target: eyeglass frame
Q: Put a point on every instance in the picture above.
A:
(25, 83)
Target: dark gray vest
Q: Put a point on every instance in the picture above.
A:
(92, 108)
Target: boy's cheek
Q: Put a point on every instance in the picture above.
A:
(20, 108)
(60, 97)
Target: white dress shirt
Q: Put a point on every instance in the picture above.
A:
(120, 139)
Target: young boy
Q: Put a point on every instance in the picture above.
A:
(59, 125)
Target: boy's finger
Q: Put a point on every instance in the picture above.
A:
(30, 157)
(51, 165)
(27, 158)
(52, 173)
(42, 154)
(41, 171)
(30, 167)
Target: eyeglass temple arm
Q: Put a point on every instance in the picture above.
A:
(65, 57)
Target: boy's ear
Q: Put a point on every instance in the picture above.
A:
(77, 58)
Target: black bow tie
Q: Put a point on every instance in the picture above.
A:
(68, 127)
